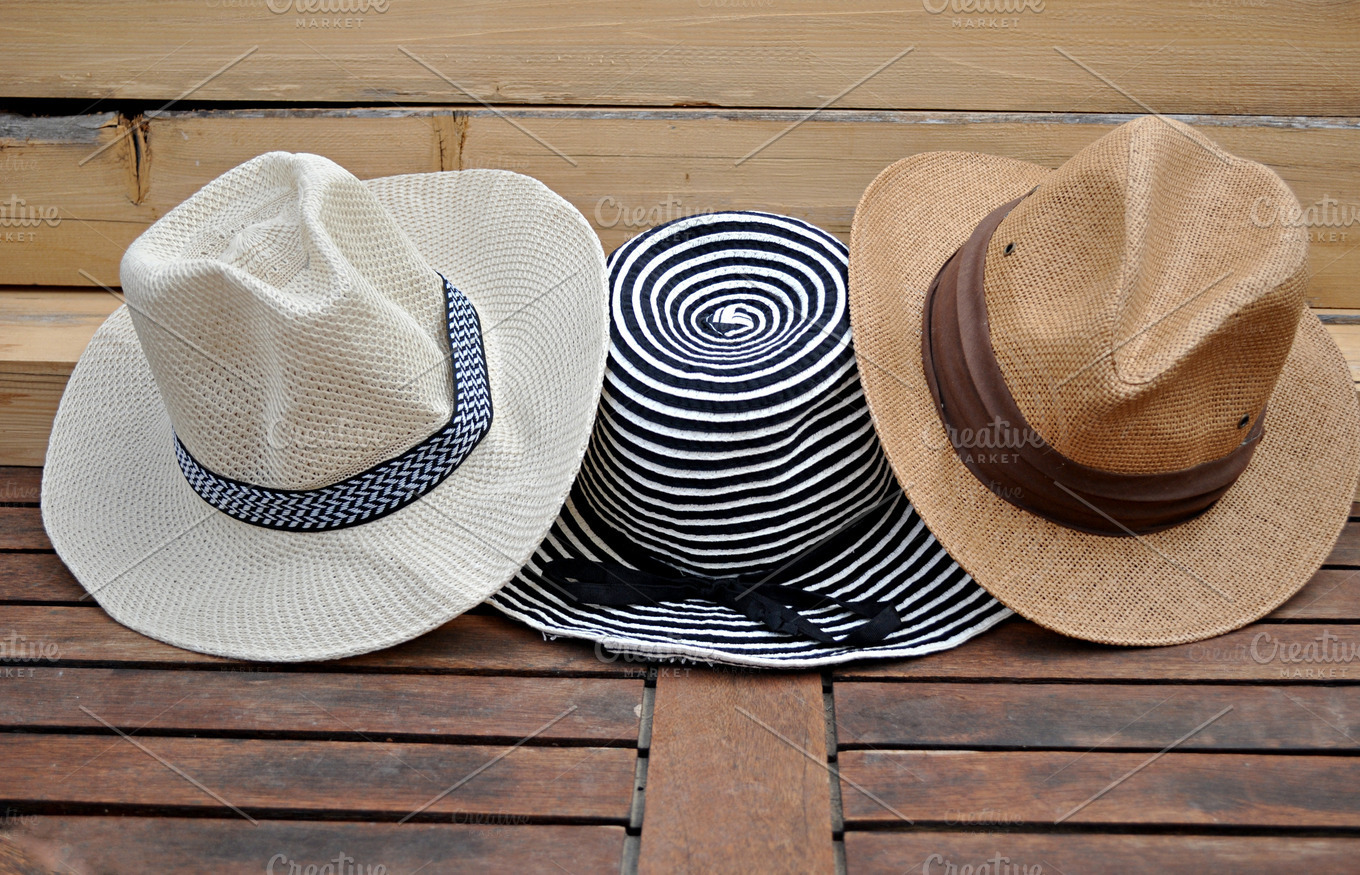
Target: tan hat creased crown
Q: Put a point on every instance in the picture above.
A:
(1141, 319)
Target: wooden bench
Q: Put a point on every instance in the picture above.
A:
(482, 747)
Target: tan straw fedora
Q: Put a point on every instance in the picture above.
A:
(1101, 382)
(333, 414)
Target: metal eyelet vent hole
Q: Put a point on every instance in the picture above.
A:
(1010, 247)
(1242, 423)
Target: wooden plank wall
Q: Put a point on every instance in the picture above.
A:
(625, 170)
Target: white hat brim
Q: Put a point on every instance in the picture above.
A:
(163, 562)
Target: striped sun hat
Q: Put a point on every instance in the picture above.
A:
(735, 505)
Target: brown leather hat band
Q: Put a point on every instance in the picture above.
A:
(995, 442)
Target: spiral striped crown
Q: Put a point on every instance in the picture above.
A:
(733, 431)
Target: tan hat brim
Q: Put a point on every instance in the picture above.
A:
(1254, 549)
(163, 562)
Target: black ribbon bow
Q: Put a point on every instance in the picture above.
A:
(774, 605)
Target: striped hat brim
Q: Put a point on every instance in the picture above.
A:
(896, 558)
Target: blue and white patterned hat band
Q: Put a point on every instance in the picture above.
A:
(387, 486)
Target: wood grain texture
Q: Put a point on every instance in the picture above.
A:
(932, 853)
(627, 170)
(28, 403)
(1175, 57)
(725, 793)
(1018, 650)
(66, 187)
(1332, 594)
(49, 328)
(139, 844)
(38, 577)
(631, 170)
(261, 702)
(468, 644)
(104, 192)
(1347, 549)
(42, 334)
(21, 528)
(1043, 789)
(189, 149)
(1084, 716)
(265, 777)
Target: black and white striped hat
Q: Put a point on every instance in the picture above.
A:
(735, 505)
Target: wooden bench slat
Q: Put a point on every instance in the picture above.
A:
(1332, 594)
(1044, 788)
(1347, 549)
(724, 793)
(1260, 652)
(931, 853)
(39, 577)
(140, 844)
(467, 644)
(21, 528)
(376, 779)
(1175, 57)
(262, 702)
(1083, 716)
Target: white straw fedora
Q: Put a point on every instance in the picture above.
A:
(735, 505)
(333, 414)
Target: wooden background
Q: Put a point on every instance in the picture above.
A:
(640, 111)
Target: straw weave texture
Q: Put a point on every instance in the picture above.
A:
(162, 561)
(1124, 354)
